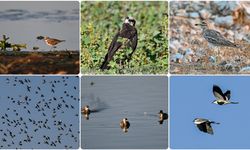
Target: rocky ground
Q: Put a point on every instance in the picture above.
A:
(56, 62)
(190, 52)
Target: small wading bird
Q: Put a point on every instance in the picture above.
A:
(204, 125)
(125, 38)
(124, 124)
(50, 41)
(162, 116)
(214, 38)
(222, 98)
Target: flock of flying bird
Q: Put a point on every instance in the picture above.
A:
(43, 114)
(204, 125)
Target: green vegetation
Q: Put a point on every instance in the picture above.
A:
(102, 20)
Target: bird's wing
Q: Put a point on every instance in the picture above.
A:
(209, 128)
(227, 94)
(128, 31)
(133, 44)
(134, 41)
(218, 93)
(202, 127)
(213, 33)
(215, 37)
(205, 127)
(114, 46)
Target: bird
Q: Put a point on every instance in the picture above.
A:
(204, 125)
(125, 38)
(85, 110)
(215, 38)
(50, 41)
(162, 116)
(124, 124)
(222, 98)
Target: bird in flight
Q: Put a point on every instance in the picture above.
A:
(125, 38)
(204, 125)
(222, 98)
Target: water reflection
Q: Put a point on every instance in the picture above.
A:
(133, 100)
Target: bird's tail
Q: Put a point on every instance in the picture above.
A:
(62, 40)
(234, 102)
(214, 122)
(105, 63)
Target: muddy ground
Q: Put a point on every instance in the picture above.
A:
(55, 62)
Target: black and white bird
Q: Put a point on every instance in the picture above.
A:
(222, 98)
(204, 125)
(124, 38)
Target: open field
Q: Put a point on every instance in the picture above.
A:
(102, 20)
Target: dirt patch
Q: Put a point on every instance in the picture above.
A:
(56, 62)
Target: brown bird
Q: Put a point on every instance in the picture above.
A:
(85, 110)
(50, 41)
(124, 124)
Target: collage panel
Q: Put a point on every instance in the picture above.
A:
(124, 37)
(39, 37)
(209, 37)
(39, 112)
(210, 113)
(124, 112)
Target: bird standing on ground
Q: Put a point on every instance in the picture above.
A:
(50, 41)
(126, 37)
(204, 125)
(214, 38)
(222, 98)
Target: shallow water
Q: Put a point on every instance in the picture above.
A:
(137, 98)
(24, 21)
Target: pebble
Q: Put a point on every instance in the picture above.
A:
(226, 21)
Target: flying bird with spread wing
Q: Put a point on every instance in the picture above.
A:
(222, 98)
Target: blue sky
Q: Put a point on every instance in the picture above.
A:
(192, 97)
(13, 92)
